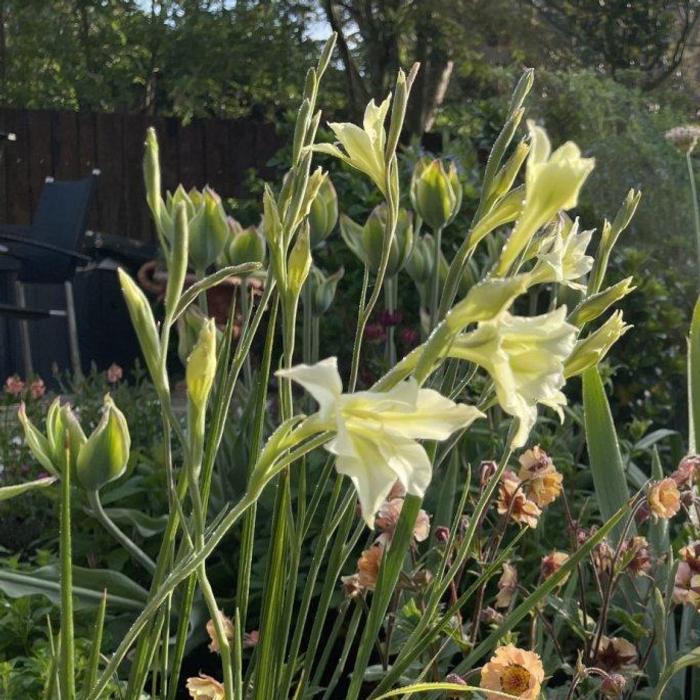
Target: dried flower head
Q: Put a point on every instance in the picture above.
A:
(551, 563)
(602, 556)
(664, 499)
(542, 481)
(205, 687)
(507, 586)
(211, 631)
(616, 654)
(513, 671)
(512, 500)
(491, 616)
(684, 138)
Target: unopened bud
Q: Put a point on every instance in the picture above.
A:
(436, 193)
(323, 214)
(442, 534)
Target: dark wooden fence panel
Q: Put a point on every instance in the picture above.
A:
(69, 145)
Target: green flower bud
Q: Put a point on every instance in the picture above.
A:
(373, 235)
(189, 326)
(323, 289)
(299, 262)
(589, 351)
(595, 305)
(36, 442)
(201, 367)
(177, 269)
(420, 264)
(208, 229)
(145, 326)
(323, 214)
(245, 245)
(103, 458)
(151, 174)
(436, 194)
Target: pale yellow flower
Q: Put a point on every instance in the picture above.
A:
(563, 258)
(514, 671)
(525, 357)
(552, 183)
(205, 687)
(376, 432)
(664, 499)
(507, 586)
(362, 148)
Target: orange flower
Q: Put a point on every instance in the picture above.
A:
(688, 471)
(365, 579)
(541, 479)
(664, 499)
(637, 554)
(211, 631)
(507, 585)
(511, 499)
(551, 563)
(205, 688)
(514, 671)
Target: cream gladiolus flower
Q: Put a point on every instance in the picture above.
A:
(552, 184)
(564, 258)
(362, 148)
(525, 357)
(376, 432)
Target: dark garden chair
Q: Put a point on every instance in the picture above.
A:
(47, 252)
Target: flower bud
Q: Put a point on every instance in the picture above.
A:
(299, 263)
(351, 233)
(36, 442)
(245, 245)
(144, 324)
(594, 347)
(420, 263)
(323, 214)
(177, 268)
(436, 193)
(151, 175)
(595, 305)
(201, 366)
(323, 289)
(104, 456)
(374, 233)
(208, 228)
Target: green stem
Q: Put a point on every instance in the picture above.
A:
(435, 282)
(245, 312)
(67, 669)
(202, 299)
(696, 207)
(118, 534)
(390, 291)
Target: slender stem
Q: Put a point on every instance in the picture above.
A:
(245, 313)
(435, 282)
(696, 207)
(67, 669)
(390, 288)
(118, 534)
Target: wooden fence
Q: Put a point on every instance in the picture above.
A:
(69, 145)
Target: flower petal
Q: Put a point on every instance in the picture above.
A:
(321, 380)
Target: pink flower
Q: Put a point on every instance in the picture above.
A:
(114, 373)
(390, 318)
(37, 388)
(14, 385)
(409, 337)
(375, 332)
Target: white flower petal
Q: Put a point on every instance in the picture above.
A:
(321, 380)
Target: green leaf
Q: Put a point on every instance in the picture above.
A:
(7, 492)
(88, 586)
(432, 687)
(694, 379)
(690, 659)
(604, 455)
(145, 525)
